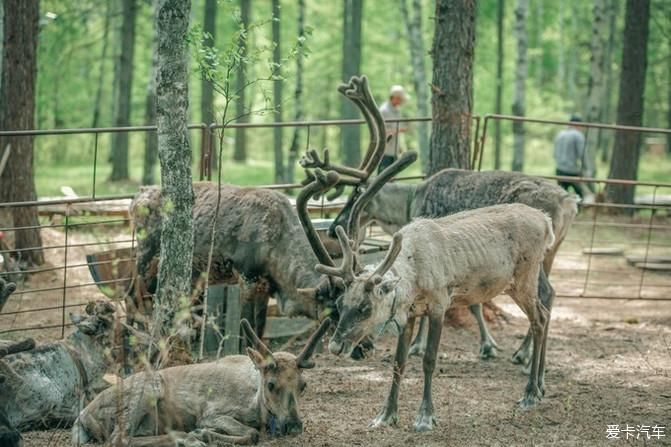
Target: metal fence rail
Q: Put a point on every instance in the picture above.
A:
(64, 282)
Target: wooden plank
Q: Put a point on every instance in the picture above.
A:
(658, 266)
(635, 259)
(608, 251)
(215, 318)
(283, 327)
(232, 325)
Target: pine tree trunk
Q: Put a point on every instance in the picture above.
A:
(498, 108)
(596, 82)
(624, 162)
(452, 84)
(240, 151)
(277, 95)
(207, 114)
(150, 138)
(120, 147)
(520, 83)
(17, 109)
(103, 57)
(174, 274)
(420, 81)
(351, 135)
(298, 96)
(605, 138)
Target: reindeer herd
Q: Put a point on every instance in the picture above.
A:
(459, 238)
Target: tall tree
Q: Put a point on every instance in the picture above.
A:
(119, 156)
(174, 272)
(605, 138)
(624, 162)
(17, 109)
(350, 136)
(240, 151)
(103, 57)
(299, 113)
(520, 83)
(596, 81)
(150, 138)
(277, 94)
(500, 12)
(452, 84)
(413, 26)
(207, 115)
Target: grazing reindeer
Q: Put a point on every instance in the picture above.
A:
(231, 400)
(48, 385)
(453, 190)
(432, 264)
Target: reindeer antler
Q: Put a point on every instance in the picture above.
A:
(346, 269)
(388, 261)
(256, 341)
(303, 360)
(311, 160)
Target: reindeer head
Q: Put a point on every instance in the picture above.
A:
(282, 382)
(370, 298)
(98, 321)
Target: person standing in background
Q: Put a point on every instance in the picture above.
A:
(569, 154)
(391, 110)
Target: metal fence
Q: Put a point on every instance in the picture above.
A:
(73, 228)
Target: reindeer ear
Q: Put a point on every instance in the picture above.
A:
(387, 286)
(259, 361)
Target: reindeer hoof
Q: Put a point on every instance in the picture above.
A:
(424, 422)
(416, 349)
(384, 419)
(488, 351)
(530, 399)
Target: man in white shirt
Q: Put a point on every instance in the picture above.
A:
(391, 110)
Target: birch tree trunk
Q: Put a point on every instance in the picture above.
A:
(174, 272)
(17, 112)
(596, 83)
(624, 162)
(520, 83)
(277, 95)
(298, 95)
(498, 109)
(240, 151)
(351, 65)
(120, 145)
(452, 84)
(150, 138)
(413, 25)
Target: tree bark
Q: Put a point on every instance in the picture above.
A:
(452, 84)
(277, 94)
(596, 83)
(500, 13)
(298, 95)
(174, 273)
(240, 151)
(17, 109)
(519, 99)
(103, 57)
(120, 147)
(351, 65)
(413, 26)
(207, 114)
(150, 138)
(624, 162)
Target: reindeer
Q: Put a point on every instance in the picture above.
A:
(259, 236)
(231, 400)
(453, 190)
(433, 264)
(47, 385)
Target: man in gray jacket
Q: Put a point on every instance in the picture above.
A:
(569, 154)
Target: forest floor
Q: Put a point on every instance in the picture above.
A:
(608, 363)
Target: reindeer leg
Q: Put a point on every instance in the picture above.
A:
(389, 413)
(546, 294)
(523, 353)
(419, 344)
(171, 440)
(488, 346)
(225, 429)
(425, 420)
(260, 311)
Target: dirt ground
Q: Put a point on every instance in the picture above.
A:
(608, 363)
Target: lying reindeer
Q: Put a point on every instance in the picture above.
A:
(48, 385)
(230, 400)
(433, 264)
(454, 190)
